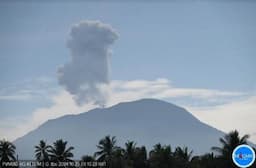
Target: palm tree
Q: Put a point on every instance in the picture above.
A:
(129, 153)
(229, 143)
(106, 147)
(42, 151)
(59, 151)
(140, 160)
(117, 158)
(7, 151)
(183, 153)
(209, 160)
(182, 157)
(160, 156)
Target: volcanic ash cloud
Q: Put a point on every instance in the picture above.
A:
(86, 76)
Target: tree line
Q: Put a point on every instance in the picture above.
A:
(133, 156)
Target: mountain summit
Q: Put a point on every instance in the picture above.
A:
(146, 121)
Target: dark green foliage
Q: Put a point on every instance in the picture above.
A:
(59, 151)
(140, 160)
(132, 156)
(117, 160)
(135, 157)
(129, 153)
(87, 160)
(229, 143)
(205, 161)
(182, 157)
(107, 150)
(161, 157)
(7, 152)
(42, 151)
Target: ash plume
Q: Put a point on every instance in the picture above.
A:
(86, 76)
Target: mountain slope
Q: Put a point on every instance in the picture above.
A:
(146, 121)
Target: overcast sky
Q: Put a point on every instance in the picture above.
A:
(198, 54)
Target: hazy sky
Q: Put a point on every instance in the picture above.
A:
(201, 54)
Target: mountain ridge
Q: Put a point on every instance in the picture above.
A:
(146, 121)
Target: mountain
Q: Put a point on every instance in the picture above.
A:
(146, 121)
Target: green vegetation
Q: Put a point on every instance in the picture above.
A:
(132, 156)
(7, 151)
(42, 151)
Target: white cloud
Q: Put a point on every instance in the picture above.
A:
(221, 116)
(11, 128)
(240, 115)
(63, 104)
(28, 90)
(162, 89)
(22, 97)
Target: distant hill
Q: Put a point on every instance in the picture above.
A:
(146, 121)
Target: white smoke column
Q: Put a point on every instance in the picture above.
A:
(86, 76)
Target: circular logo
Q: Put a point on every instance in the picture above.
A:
(243, 156)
